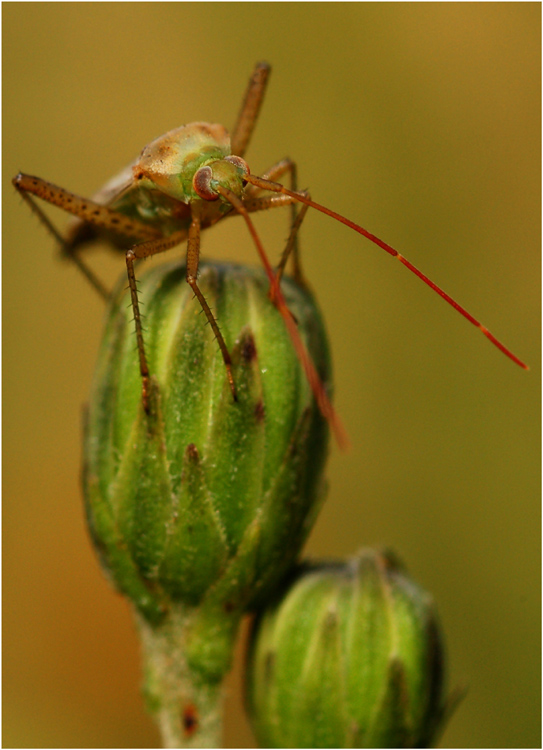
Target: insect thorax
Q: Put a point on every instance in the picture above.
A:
(171, 160)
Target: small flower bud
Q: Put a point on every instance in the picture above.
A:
(347, 656)
(201, 501)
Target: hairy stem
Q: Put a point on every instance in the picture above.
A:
(185, 702)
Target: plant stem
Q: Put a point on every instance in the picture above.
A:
(185, 703)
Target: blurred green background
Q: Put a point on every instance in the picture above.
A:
(421, 121)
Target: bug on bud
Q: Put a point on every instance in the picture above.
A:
(183, 182)
(199, 502)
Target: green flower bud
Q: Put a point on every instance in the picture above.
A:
(350, 655)
(204, 502)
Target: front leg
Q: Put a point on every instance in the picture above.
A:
(274, 173)
(193, 259)
(145, 250)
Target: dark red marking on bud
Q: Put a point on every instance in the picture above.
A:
(269, 667)
(192, 452)
(190, 720)
(259, 411)
(248, 351)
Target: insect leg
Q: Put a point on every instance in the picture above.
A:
(274, 201)
(137, 252)
(292, 248)
(275, 173)
(319, 392)
(86, 210)
(64, 246)
(193, 259)
(254, 94)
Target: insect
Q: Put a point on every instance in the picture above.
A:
(183, 182)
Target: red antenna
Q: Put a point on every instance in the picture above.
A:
(277, 188)
(321, 397)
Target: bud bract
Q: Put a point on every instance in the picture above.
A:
(349, 655)
(202, 501)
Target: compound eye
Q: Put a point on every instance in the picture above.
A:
(201, 182)
(240, 163)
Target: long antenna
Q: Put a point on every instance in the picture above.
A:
(277, 188)
(319, 392)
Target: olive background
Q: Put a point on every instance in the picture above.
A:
(421, 121)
